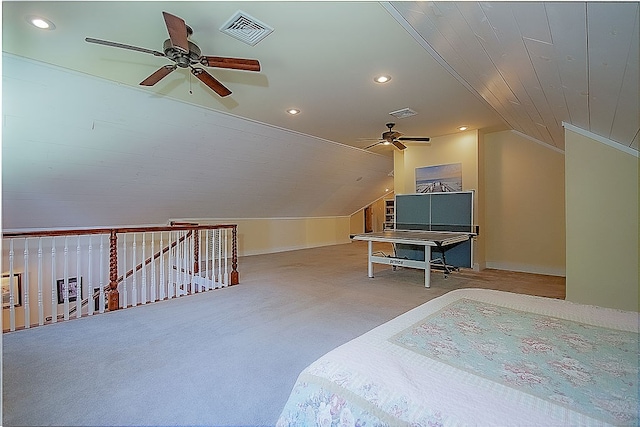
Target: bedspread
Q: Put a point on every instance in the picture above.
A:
(479, 357)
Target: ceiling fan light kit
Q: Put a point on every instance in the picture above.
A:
(186, 54)
(395, 138)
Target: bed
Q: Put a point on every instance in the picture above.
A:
(478, 357)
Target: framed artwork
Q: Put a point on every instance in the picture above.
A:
(439, 179)
(6, 290)
(75, 289)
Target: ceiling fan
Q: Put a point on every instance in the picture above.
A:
(393, 137)
(185, 54)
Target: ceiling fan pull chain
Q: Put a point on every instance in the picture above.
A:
(190, 91)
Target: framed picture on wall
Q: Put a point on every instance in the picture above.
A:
(439, 179)
(7, 288)
(75, 289)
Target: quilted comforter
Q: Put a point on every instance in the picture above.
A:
(479, 357)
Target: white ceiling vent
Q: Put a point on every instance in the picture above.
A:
(405, 112)
(246, 28)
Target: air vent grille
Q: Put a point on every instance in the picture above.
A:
(405, 112)
(246, 28)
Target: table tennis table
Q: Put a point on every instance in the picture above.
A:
(428, 239)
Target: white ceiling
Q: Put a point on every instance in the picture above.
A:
(84, 145)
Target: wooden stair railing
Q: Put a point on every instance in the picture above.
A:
(148, 261)
(113, 298)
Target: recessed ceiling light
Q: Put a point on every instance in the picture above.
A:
(42, 23)
(382, 79)
(462, 128)
(293, 111)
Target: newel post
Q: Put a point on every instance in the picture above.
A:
(235, 279)
(114, 296)
(196, 251)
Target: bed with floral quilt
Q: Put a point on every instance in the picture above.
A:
(479, 357)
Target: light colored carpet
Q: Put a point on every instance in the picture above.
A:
(227, 357)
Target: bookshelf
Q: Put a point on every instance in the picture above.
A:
(389, 214)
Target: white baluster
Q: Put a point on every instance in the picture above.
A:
(200, 282)
(153, 267)
(179, 272)
(143, 289)
(90, 294)
(134, 285)
(186, 257)
(207, 272)
(12, 290)
(162, 266)
(192, 262)
(171, 285)
(54, 302)
(25, 287)
(65, 286)
(176, 265)
(78, 281)
(220, 282)
(101, 282)
(40, 296)
(226, 258)
(124, 269)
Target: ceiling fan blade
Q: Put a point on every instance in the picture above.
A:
(123, 46)
(399, 145)
(373, 145)
(177, 29)
(158, 75)
(414, 139)
(211, 81)
(233, 63)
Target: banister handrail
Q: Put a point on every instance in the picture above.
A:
(119, 230)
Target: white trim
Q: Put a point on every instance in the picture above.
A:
(279, 249)
(525, 268)
(602, 139)
(231, 220)
(537, 141)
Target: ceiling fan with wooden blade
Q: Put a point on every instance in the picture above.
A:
(186, 54)
(395, 138)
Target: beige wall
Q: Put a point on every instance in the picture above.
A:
(267, 235)
(524, 205)
(378, 208)
(519, 199)
(602, 223)
(356, 222)
(456, 148)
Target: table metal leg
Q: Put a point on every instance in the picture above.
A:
(369, 262)
(427, 267)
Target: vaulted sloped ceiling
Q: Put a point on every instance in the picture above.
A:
(84, 145)
(539, 64)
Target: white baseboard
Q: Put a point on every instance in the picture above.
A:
(273, 250)
(525, 268)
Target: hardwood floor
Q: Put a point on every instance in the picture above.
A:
(522, 283)
(502, 280)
